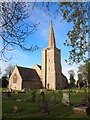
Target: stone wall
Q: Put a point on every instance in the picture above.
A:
(50, 68)
(58, 69)
(43, 67)
(18, 84)
(38, 70)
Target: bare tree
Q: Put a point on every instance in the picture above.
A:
(13, 28)
(9, 70)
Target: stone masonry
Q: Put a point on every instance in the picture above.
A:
(51, 75)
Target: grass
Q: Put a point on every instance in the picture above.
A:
(28, 109)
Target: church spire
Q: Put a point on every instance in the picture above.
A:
(51, 42)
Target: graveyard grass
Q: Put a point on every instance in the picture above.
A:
(29, 109)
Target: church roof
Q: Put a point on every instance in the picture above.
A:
(51, 42)
(28, 74)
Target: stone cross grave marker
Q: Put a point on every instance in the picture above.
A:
(66, 99)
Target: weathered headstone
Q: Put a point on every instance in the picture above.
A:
(33, 97)
(53, 100)
(59, 91)
(23, 90)
(15, 109)
(18, 100)
(66, 99)
(42, 97)
(84, 107)
(43, 104)
(43, 107)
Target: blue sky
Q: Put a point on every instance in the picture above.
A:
(40, 38)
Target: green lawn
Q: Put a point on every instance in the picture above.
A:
(28, 109)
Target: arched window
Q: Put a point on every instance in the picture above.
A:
(15, 78)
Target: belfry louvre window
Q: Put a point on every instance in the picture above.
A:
(15, 78)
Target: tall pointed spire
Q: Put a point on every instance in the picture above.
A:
(51, 42)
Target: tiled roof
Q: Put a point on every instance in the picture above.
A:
(28, 74)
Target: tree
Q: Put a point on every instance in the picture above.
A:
(9, 70)
(78, 13)
(84, 71)
(4, 81)
(80, 80)
(13, 28)
(72, 80)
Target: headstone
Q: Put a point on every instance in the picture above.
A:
(33, 97)
(85, 100)
(18, 100)
(42, 96)
(66, 99)
(59, 91)
(43, 104)
(23, 90)
(84, 107)
(15, 109)
(53, 100)
(43, 107)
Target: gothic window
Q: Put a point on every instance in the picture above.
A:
(15, 78)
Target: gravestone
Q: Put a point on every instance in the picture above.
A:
(18, 100)
(23, 90)
(53, 100)
(42, 97)
(59, 91)
(66, 99)
(33, 92)
(84, 107)
(33, 97)
(43, 104)
(15, 109)
(43, 107)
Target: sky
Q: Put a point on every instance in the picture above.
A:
(40, 38)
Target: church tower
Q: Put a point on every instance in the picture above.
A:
(51, 75)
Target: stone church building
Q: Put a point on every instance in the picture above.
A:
(49, 75)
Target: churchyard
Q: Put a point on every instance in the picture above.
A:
(22, 105)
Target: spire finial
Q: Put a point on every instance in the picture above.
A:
(51, 42)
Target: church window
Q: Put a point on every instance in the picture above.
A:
(15, 78)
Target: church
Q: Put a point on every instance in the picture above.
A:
(49, 75)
